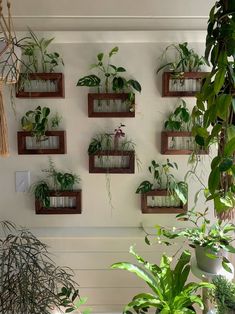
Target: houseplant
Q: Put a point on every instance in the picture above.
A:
(112, 153)
(38, 77)
(56, 194)
(170, 293)
(212, 242)
(215, 107)
(184, 78)
(40, 133)
(30, 282)
(224, 295)
(173, 194)
(115, 94)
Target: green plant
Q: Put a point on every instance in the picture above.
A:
(37, 122)
(30, 282)
(56, 180)
(224, 295)
(38, 59)
(216, 237)
(216, 106)
(109, 77)
(170, 293)
(163, 179)
(180, 119)
(55, 121)
(187, 60)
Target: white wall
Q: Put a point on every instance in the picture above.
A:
(90, 242)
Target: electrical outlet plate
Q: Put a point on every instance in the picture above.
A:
(22, 181)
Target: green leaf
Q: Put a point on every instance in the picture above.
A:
(226, 267)
(214, 179)
(135, 84)
(229, 148)
(226, 164)
(219, 79)
(113, 51)
(100, 56)
(89, 81)
(144, 187)
(222, 105)
(121, 69)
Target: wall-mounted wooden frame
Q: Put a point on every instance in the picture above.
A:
(147, 209)
(127, 156)
(72, 201)
(112, 110)
(186, 149)
(170, 83)
(56, 80)
(59, 146)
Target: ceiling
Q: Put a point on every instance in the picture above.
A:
(111, 14)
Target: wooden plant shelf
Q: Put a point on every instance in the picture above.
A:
(126, 162)
(183, 136)
(147, 209)
(55, 144)
(55, 79)
(71, 201)
(112, 109)
(185, 90)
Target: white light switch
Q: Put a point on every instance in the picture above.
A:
(22, 180)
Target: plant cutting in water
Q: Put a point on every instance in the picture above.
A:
(162, 178)
(186, 60)
(37, 122)
(110, 78)
(56, 180)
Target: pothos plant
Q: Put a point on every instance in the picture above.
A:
(110, 77)
(38, 122)
(179, 119)
(162, 178)
(37, 58)
(216, 107)
(56, 180)
(185, 60)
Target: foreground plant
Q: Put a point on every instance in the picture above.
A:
(216, 107)
(30, 282)
(214, 238)
(170, 292)
(224, 295)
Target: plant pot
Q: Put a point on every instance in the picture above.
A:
(210, 265)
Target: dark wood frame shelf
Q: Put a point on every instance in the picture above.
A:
(166, 77)
(165, 150)
(160, 210)
(22, 150)
(108, 96)
(40, 210)
(129, 169)
(58, 77)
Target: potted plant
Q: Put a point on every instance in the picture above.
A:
(215, 107)
(56, 193)
(30, 282)
(224, 295)
(184, 78)
(40, 134)
(115, 94)
(164, 194)
(177, 138)
(212, 242)
(170, 292)
(38, 78)
(112, 153)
